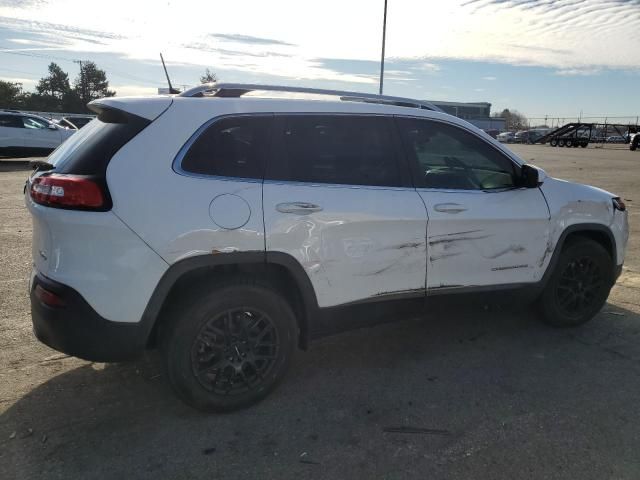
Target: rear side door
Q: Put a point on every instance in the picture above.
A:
(11, 131)
(337, 199)
(39, 135)
(483, 228)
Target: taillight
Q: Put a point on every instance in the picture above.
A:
(48, 297)
(67, 191)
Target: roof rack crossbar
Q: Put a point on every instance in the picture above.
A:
(239, 89)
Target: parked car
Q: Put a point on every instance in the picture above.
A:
(229, 230)
(616, 139)
(75, 122)
(493, 133)
(26, 134)
(506, 137)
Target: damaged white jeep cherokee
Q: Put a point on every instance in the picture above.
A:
(232, 223)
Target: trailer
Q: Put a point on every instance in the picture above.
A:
(579, 134)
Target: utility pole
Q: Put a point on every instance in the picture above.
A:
(384, 35)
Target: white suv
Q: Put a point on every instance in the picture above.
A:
(25, 134)
(232, 223)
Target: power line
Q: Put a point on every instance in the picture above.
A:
(112, 72)
(22, 53)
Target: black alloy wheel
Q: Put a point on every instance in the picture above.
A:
(226, 346)
(235, 351)
(578, 286)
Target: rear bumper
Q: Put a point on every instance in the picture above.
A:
(76, 328)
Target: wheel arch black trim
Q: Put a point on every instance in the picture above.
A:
(577, 229)
(189, 265)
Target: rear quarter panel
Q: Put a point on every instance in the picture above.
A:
(172, 212)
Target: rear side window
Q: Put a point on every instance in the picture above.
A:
(230, 147)
(89, 151)
(448, 157)
(11, 121)
(334, 149)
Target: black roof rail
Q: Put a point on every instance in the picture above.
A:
(239, 89)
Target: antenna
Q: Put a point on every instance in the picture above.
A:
(171, 89)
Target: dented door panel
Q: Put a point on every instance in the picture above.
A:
(360, 242)
(479, 238)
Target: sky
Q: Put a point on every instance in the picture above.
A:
(562, 58)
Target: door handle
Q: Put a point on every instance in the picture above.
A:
(449, 208)
(299, 208)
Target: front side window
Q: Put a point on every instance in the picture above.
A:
(230, 147)
(34, 123)
(11, 121)
(448, 157)
(334, 149)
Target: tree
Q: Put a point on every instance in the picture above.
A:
(91, 83)
(56, 84)
(208, 77)
(11, 95)
(514, 120)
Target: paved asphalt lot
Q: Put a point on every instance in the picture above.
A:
(504, 396)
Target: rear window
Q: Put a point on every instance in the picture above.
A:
(229, 147)
(88, 151)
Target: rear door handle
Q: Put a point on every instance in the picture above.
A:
(449, 208)
(298, 208)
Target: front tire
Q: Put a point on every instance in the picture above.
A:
(579, 285)
(229, 347)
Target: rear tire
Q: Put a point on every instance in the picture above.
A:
(579, 285)
(569, 143)
(561, 142)
(229, 346)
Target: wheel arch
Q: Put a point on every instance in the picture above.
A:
(597, 232)
(274, 268)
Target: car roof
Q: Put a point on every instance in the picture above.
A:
(270, 102)
(23, 114)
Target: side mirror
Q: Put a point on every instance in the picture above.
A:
(529, 176)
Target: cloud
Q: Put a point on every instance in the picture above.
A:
(238, 38)
(489, 78)
(568, 36)
(27, 83)
(572, 72)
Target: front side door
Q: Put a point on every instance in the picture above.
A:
(483, 228)
(39, 135)
(337, 200)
